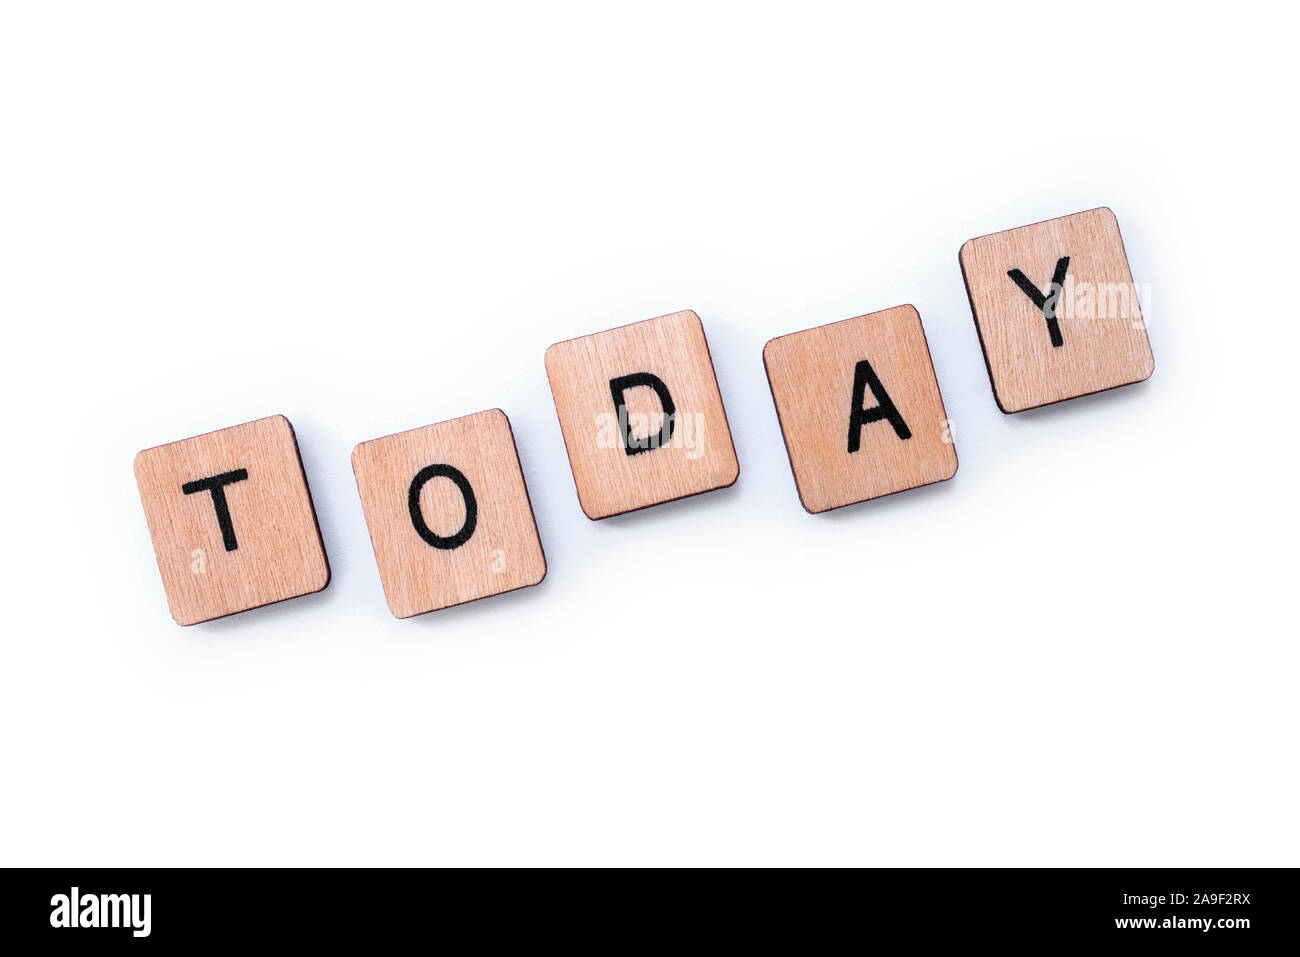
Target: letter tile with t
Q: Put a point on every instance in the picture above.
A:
(448, 513)
(860, 409)
(1056, 310)
(641, 415)
(232, 521)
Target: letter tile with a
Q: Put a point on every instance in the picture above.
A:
(860, 409)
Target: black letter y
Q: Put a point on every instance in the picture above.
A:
(1048, 302)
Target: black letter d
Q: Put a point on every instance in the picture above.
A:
(620, 385)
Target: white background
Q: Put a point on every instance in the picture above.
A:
(370, 217)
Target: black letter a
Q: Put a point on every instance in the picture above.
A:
(863, 376)
(1048, 302)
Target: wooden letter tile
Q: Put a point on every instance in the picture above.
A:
(641, 415)
(232, 521)
(448, 513)
(860, 409)
(1056, 310)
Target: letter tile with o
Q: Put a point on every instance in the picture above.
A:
(860, 409)
(448, 513)
(641, 415)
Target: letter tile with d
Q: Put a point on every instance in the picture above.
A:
(448, 513)
(232, 521)
(641, 415)
(860, 409)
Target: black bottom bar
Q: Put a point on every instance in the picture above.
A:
(1220, 909)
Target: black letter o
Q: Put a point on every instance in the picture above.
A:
(417, 516)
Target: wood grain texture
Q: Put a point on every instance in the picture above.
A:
(699, 457)
(502, 553)
(279, 553)
(812, 376)
(1104, 342)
